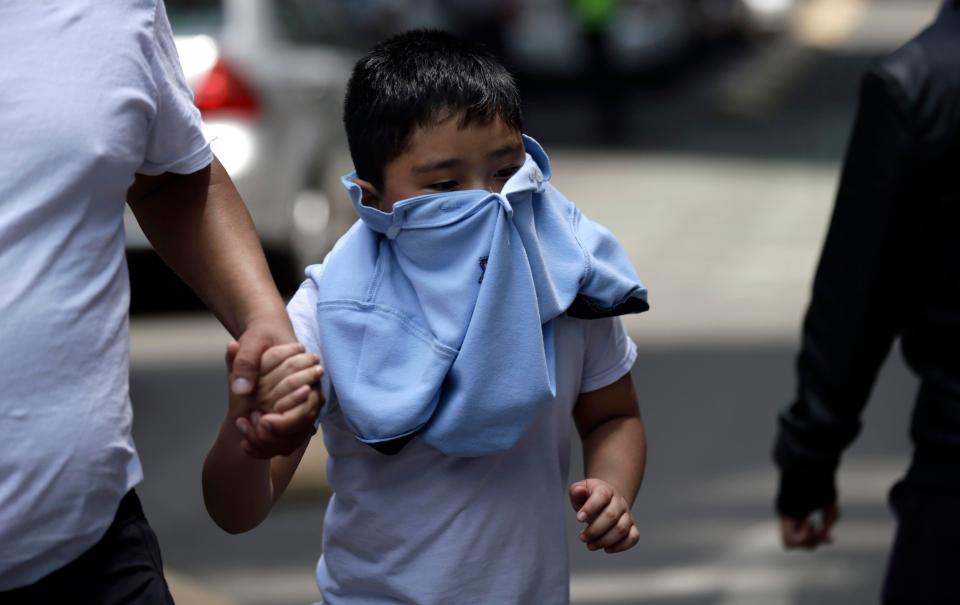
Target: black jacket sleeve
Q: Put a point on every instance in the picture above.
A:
(858, 300)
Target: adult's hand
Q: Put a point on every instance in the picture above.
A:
(259, 336)
(808, 532)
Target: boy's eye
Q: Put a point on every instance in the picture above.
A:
(506, 173)
(443, 186)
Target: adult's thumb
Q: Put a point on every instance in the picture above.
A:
(246, 366)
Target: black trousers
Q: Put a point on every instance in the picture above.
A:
(123, 568)
(924, 566)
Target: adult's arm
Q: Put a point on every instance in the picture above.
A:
(861, 293)
(201, 228)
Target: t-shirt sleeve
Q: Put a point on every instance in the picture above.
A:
(175, 142)
(609, 355)
(302, 310)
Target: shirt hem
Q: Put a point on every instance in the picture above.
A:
(613, 374)
(199, 159)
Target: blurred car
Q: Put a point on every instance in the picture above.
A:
(543, 37)
(268, 77)
(749, 17)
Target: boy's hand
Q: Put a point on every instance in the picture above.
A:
(280, 414)
(610, 525)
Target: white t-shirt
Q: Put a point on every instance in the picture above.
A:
(91, 93)
(422, 527)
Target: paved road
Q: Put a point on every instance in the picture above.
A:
(723, 212)
(703, 511)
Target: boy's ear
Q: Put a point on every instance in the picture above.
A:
(371, 197)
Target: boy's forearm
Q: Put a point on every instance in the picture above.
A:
(616, 452)
(237, 488)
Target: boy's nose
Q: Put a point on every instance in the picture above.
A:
(493, 186)
(484, 185)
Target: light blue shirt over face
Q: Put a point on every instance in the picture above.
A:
(436, 319)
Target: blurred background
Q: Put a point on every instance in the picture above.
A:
(707, 134)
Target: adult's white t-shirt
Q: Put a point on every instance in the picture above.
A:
(422, 527)
(91, 93)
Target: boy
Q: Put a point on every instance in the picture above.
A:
(470, 512)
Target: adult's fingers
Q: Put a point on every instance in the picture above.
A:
(249, 443)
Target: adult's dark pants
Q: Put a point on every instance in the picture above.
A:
(924, 566)
(123, 568)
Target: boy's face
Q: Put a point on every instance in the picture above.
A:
(444, 157)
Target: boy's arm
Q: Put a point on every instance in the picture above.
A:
(239, 489)
(614, 456)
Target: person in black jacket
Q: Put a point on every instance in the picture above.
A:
(890, 268)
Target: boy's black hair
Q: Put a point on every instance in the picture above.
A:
(414, 79)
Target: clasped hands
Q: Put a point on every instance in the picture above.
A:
(276, 413)
(274, 394)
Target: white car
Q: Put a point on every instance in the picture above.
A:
(269, 78)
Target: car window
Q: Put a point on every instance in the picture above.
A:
(195, 16)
